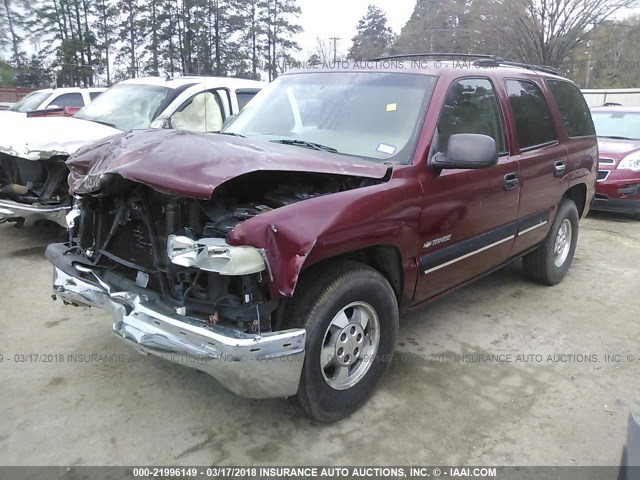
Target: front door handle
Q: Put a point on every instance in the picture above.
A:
(510, 181)
(559, 167)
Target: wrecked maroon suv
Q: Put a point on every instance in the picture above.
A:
(278, 255)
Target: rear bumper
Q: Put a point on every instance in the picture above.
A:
(10, 210)
(616, 205)
(254, 366)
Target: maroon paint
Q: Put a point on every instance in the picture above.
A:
(55, 112)
(415, 205)
(617, 179)
(193, 165)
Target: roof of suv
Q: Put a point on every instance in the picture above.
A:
(222, 82)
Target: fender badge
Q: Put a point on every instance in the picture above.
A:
(436, 241)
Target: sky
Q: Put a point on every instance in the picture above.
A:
(338, 18)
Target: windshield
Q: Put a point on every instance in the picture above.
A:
(372, 115)
(617, 124)
(30, 102)
(126, 106)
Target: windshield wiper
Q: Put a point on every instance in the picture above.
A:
(616, 137)
(232, 134)
(305, 144)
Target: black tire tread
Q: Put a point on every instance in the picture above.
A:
(535, 263)
(317, 284)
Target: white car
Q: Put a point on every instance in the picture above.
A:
(49, 98)
(33, 175)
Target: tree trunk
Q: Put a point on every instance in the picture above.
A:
(106, 41)
(132, 39)
(154, 38)
(85, 8)
(217, 39)
(15, 43)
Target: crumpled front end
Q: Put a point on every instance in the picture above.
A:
(33, 190)
(254, 365)
(33, 174)
(149, 241)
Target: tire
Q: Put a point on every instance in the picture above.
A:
(545, 265)
(325, 298)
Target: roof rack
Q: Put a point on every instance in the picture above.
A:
(483, 60)
(435, 55)
(499, 61)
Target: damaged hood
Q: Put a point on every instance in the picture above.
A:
(40, 138)
(193, 165)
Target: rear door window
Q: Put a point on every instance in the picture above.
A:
(573, 109)
(531, 114)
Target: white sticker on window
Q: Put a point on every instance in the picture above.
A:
(388, 149)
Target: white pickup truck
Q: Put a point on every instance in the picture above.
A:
(33, 174)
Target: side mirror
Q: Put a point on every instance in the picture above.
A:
(467, 151)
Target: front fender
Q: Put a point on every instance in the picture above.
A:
(301, 234)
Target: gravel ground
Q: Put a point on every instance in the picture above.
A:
(553, 399)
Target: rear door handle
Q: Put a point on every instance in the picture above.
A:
(510, 181)
(559, 167)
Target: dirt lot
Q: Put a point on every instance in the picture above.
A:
(433, 407)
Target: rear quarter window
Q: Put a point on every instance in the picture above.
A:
(573, 109)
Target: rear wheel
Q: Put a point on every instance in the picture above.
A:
(350, 313)
(549, 263)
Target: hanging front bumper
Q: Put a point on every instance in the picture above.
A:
(255, 366)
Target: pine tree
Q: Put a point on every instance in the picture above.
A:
(104, 34)
(11, 23)
(245, 20)
(373, 37)
(278, 19)
(132, 33)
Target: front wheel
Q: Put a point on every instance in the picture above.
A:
(549, 263)
(350, 313)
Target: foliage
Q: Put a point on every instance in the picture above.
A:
(373, 37)
(90, 39)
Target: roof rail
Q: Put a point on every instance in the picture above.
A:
(498, 61)
(483, 60)
(435, 55)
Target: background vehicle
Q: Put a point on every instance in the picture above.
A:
(33, 176)
(56, 98)
(618, 187)
(336, 200)
(596, 97)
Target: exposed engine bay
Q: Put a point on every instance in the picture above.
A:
(124, 229)
(31, 182)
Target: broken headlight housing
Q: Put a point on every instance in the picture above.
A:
(214, 255)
